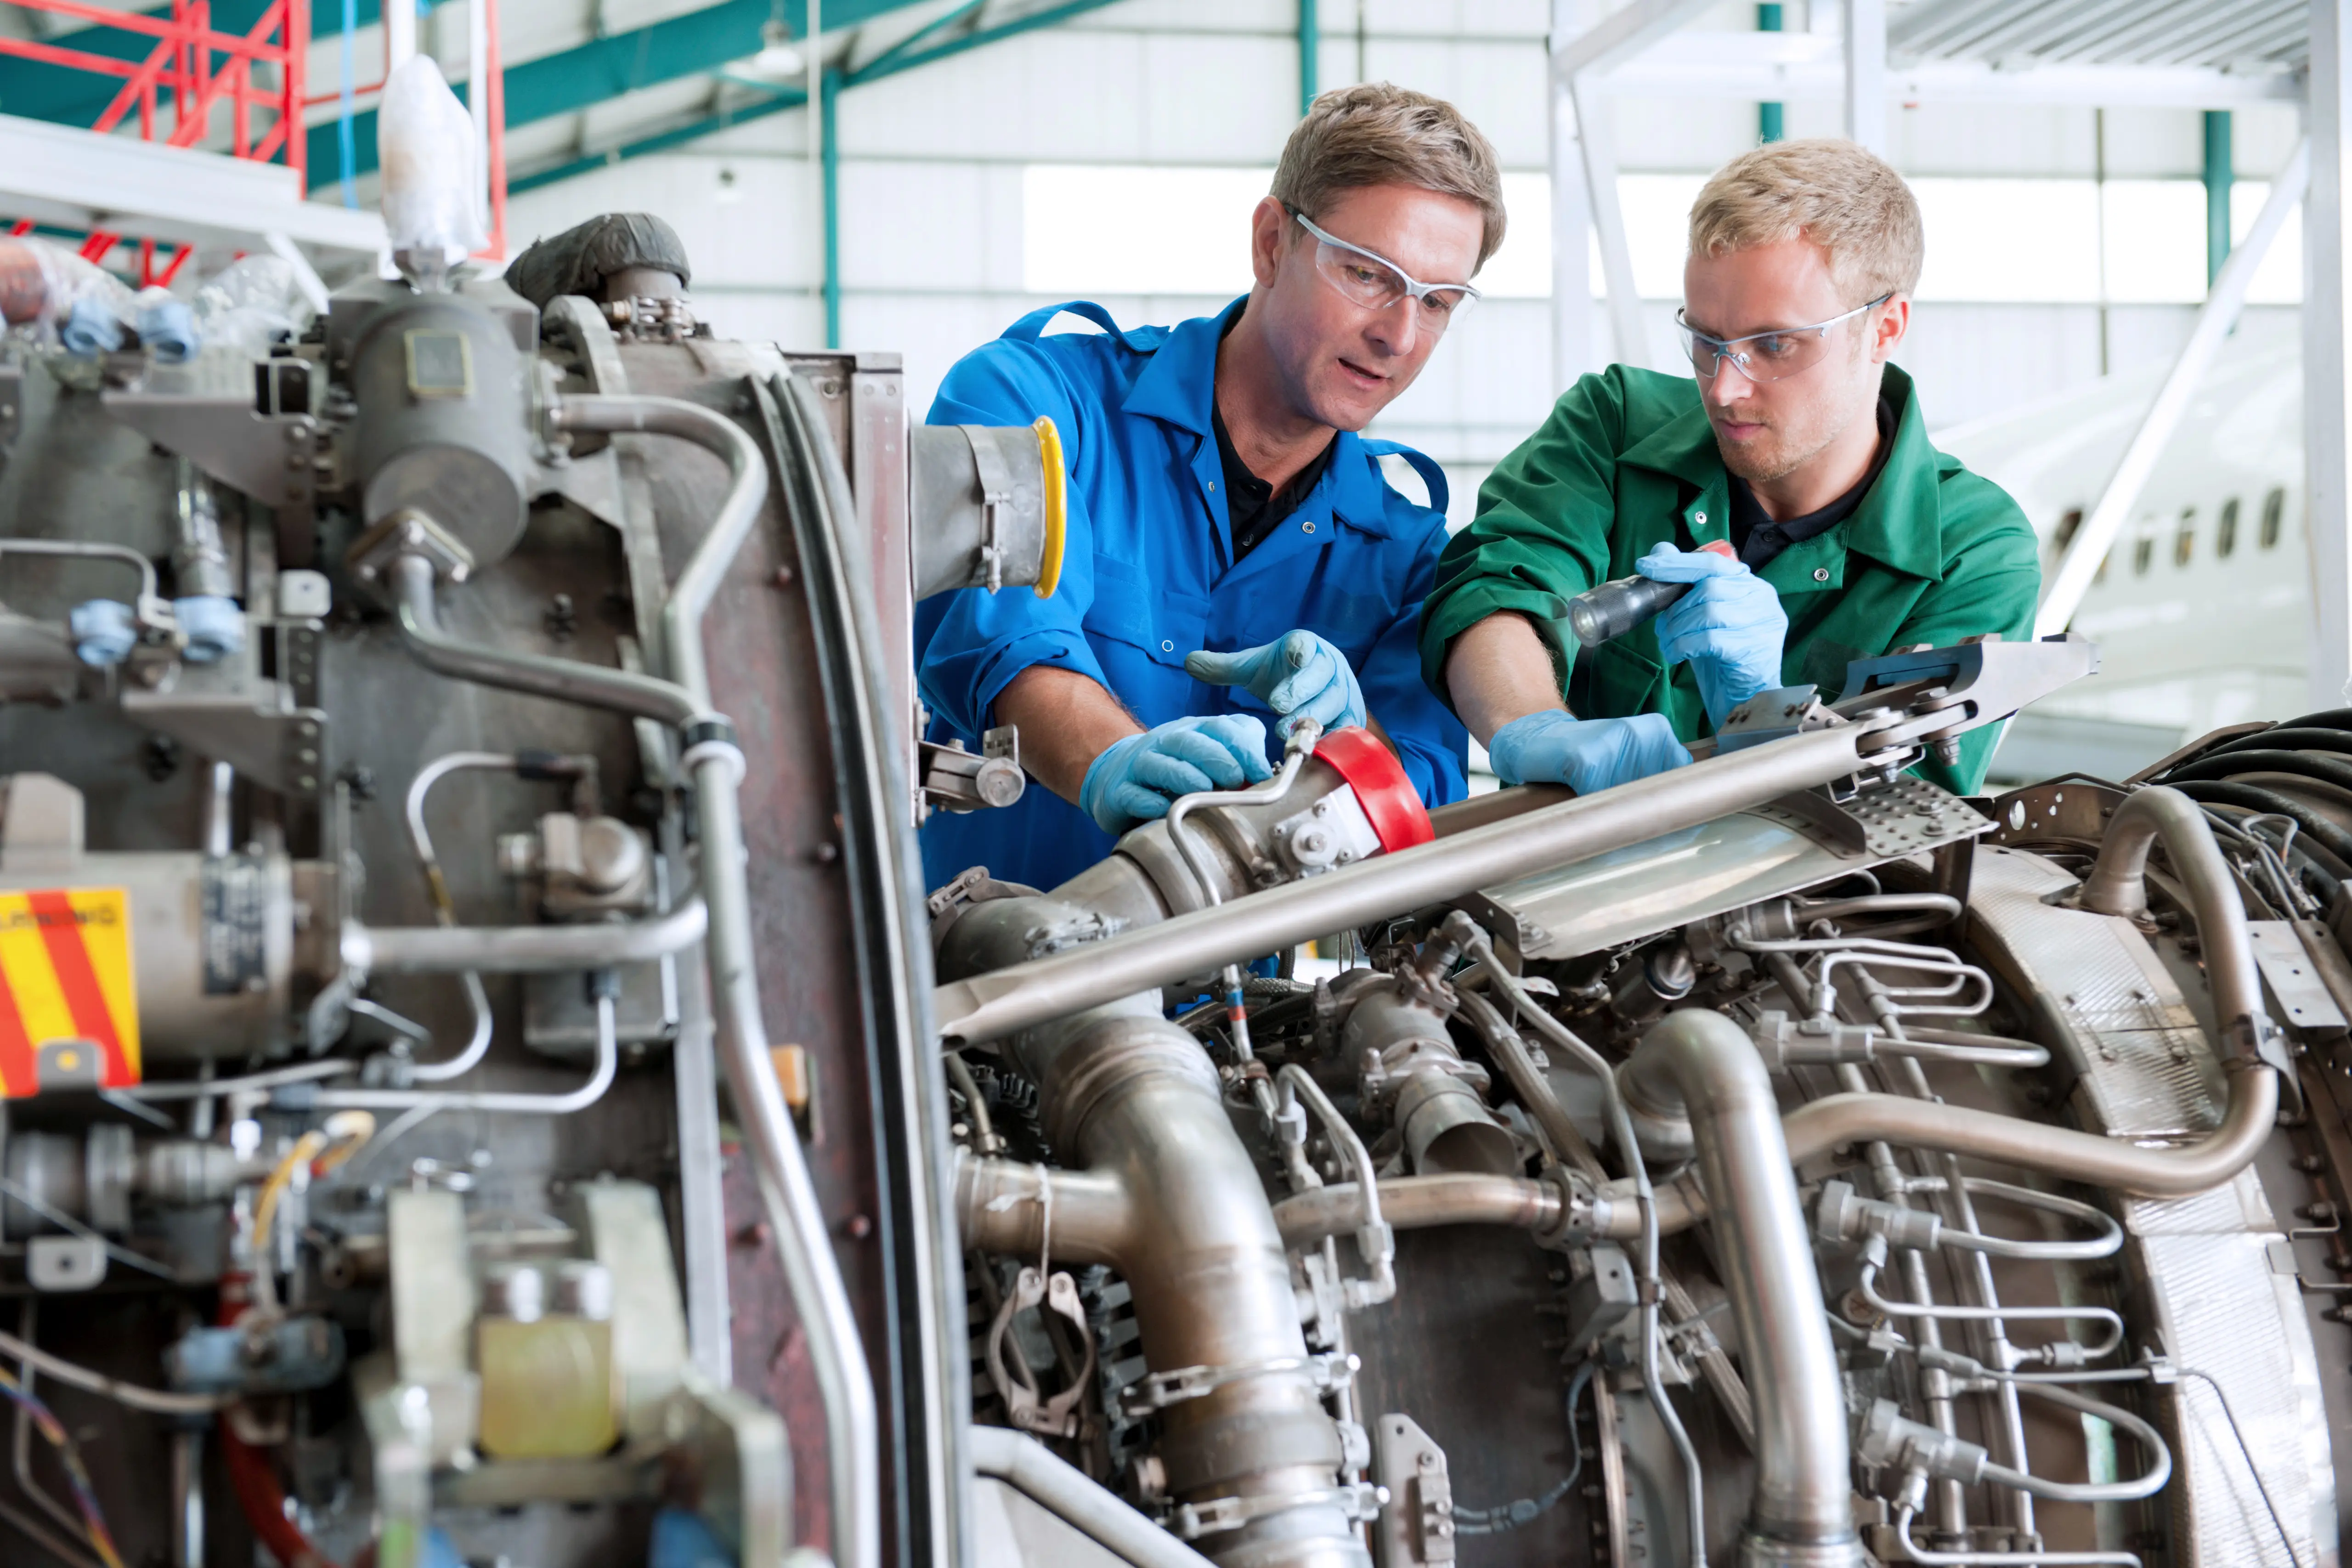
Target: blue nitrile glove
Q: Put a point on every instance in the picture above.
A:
(90, 329)
(1134, 780)
(167, 328)
(1730, 625)
(1297, 674)
(1586, 755)
(214, 626)
(104, 632)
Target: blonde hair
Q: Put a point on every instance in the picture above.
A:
(1828, 191)
(1377, 134)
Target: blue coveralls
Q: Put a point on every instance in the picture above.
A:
(1147, 579)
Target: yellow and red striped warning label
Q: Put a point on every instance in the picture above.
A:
(68, 1001)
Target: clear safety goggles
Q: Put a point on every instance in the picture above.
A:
(1375, 283)
(1766, 356)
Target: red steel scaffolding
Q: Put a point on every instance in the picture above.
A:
(195, 68)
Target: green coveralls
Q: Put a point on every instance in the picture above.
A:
(1935, 553)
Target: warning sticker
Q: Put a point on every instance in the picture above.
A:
(68, 1003)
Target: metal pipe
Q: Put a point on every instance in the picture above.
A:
(1171, 1197)
(1802, 1510)
(1004, 1002)
(608, 1062)
(722, 915)
(803, 1244)
(1416, 1202)
(747, 492)
(563, 679)
(1084, 1216)
(522, 950)
(1063, 1491)
(2117, 885)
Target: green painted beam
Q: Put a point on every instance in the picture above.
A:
(564, 83)
(890, 63)
(2221, 174)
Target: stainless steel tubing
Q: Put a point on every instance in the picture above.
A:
(747, 491)
(1414, 1203)
(563, 679)
(2117, 885)
(1034, 1470)
(1004, 1002)
(803, 1243)
(608, 1063)
(520, 950)
(1802, 1510)
(1132, 1099)
(1082, 1217)
(852, 1424)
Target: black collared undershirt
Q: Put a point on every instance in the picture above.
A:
(1760, 539)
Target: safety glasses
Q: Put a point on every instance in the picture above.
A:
(1766, 356)
(1375, 283)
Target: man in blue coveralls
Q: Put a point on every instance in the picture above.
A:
(1235, 554)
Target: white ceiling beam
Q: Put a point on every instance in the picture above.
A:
(1622, 36)
(2325, 328)
(1811, 66)
(62, 174)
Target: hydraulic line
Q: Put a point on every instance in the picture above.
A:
(1473, 940)
(715, 764)
(2270, 803)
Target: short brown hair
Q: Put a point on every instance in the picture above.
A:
(1832, 192)
(1377, 134)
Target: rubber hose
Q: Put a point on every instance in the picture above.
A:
(2281, 740)
(2224, 765)
(2321, 831)
(2328, 718)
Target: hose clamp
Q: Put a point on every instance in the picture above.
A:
(709, 740)
(1328, 1372)
(1361, 1501)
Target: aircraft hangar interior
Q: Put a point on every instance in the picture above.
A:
(1175, 784)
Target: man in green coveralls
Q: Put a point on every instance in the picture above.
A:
(1798, 443)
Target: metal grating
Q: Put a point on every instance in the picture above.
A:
(2215, 34)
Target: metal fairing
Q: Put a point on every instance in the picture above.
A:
(2213, 1279)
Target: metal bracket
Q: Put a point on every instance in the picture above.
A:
(956, 780)
(1417, 1530)
(1057, 1416)
(995, 498)
(408, 532)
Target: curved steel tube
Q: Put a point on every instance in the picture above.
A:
(1414, 1203)
(2116, 885)
(990, 1007)
(1802, 1511)
(813, 1276)
(520, 950)
(564, 680)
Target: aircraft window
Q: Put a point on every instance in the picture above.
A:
(2274, 517)
(2068, 526)
(2143, 553)
(2225, 534)
(2184, 539)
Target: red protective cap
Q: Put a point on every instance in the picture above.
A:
(1391, 803)
(1721, 547)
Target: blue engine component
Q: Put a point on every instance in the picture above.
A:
(291, 1356)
